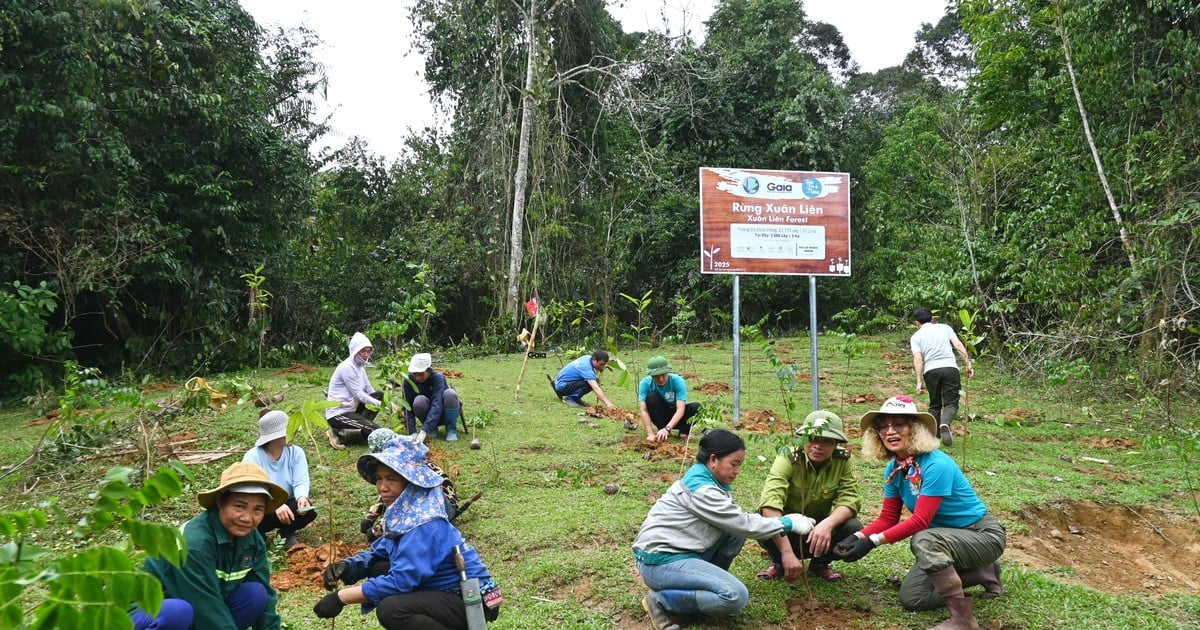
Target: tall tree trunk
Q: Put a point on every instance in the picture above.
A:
(1087, 132)
(522, 173)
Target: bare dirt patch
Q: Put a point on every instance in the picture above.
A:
(673, 449)
(305, 564)
(863, 399)
(616, 413)
(763, 421)
(1118, 443)
(298, 368)
(451, 373)
(1110, 548)
(712, 389)
(813, 614)
(1020, 414)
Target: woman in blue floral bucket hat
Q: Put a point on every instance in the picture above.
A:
(420, 587)
(371, 525)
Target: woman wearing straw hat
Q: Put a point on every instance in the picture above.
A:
(955, 541)
(816, 480)
(693, 533)
(226, 578)
(408, 575)
(287, 466)
(662, 400)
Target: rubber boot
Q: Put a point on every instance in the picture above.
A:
(949, 585)
(450, 416)
(987, 576)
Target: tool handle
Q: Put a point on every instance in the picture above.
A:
(460, 563)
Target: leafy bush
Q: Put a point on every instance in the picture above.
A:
(26, 340)
(94, 587)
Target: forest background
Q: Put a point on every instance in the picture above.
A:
(1033, 164)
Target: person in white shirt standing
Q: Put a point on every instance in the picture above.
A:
(933, 347)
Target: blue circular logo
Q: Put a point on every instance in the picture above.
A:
(811, 187)
(750, 185)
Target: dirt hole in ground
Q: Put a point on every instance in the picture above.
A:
(1110, 548)
(713, 389)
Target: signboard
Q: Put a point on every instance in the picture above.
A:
(774, 222)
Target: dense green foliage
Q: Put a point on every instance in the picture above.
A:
(1031, 162)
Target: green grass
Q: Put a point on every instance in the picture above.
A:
(560, 547)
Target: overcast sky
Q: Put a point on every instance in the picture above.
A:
(375, 87)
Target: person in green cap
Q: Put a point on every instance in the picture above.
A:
(816, 480)
(662, 400)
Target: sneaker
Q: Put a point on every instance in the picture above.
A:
(947, 435)
(334, 441)
(659, 618)
(574, 402)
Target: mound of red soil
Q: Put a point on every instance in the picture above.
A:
(763, 421)
(713, 389)
(305, 564)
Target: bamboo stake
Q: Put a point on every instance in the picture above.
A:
(525, 363)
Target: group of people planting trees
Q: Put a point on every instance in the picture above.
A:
(809, 506)
(413, 573)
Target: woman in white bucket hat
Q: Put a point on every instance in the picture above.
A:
(955, 541)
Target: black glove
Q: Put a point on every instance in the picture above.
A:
(329, 606)
(333, 573)
(853, 548)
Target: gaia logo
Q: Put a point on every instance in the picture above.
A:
(811, 187)
(750, 185)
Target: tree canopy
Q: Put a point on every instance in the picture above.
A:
(1030, 163)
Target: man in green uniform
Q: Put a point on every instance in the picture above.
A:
(815, 480)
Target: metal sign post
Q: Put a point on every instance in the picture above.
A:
(774, 223)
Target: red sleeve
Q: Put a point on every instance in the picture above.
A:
(888, 516)
(927, 506)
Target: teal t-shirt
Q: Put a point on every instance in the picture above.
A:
(939, 476)
(674, 390)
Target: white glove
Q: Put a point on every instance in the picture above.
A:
(801, 524)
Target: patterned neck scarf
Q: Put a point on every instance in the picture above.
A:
(415, 506)
(913, 472)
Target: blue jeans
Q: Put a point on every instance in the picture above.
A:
(700, 585)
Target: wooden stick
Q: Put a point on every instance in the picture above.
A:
(528, 349)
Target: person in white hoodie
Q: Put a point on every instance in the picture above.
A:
(351, 420)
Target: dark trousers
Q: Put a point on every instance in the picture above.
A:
(420, 413)
(573, 389)
(422, 610)
(661, 412)
(356, 426)
(800, 544)
(943, 385)
(271, 522)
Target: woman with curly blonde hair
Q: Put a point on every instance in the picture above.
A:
(955, 541)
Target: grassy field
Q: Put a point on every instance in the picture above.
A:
(1102, 525)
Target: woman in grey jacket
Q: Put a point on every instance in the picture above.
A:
(694, 532)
